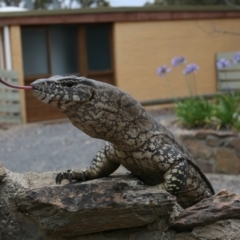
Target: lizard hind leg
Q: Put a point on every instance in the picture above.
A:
(175, 179)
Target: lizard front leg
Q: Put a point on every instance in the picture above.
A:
(102, 166)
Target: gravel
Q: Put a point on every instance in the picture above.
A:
(58, 146)
(46, 147)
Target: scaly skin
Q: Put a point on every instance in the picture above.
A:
(135, 139)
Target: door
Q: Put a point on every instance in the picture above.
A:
(81, 50)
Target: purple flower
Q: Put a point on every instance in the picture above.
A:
(223, 63)
(178, 60)
(190, 68)
(163, 70)
(237, 57)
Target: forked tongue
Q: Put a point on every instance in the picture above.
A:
(14, 86)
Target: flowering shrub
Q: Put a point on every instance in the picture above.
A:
(163, 70)
(190, 68)
(178, 61)
(193, 112)
(223, 112)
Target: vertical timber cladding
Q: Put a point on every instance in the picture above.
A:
(17, 64)
(10, 107)
(64, 50)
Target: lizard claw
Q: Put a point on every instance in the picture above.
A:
(59, 178)
(64, 175)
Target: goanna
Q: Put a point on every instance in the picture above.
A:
(135, 140)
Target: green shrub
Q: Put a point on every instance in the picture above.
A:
(223, 112)
(226, 111)
(193, 112)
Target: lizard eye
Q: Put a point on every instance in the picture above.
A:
(69, 84)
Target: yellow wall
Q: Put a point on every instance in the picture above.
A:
(143, 46)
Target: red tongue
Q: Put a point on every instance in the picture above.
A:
(17, 87)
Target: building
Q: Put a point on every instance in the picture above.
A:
(121, 46)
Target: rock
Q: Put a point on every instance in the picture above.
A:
(14, 224)
(223, 205)
(198, 149)
(226, 229)
(183, 236)
(119, 207)
(202, 134)
(154, 231)
(206, 166)
(227, 161)
(222, 230)
(2, 172)
(32, 206)
(184, 134)
(94, 206)
(235, 143)
(214, 141)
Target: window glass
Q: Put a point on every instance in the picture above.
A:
(98, 47)
(35, 56)
(64, 58)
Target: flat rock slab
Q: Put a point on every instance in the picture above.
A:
(120, 207)
(223, 205)
(115, 202)
(221, 230)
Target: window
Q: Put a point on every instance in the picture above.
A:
(35, 51)
(63, 48)
(98, 47)
(50, 50)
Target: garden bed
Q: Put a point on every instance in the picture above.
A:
(214, 139)
(214, 151)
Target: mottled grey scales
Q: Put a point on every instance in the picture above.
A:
(134, 139)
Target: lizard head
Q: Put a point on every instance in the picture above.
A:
(98, 109)
(61, 92)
